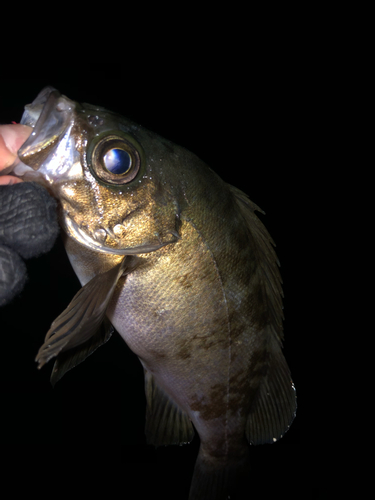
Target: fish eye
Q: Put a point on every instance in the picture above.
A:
(114, 159)
(117, 161)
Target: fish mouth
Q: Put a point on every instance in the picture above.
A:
(49, 115)
(31, 118)
(33, 111)
(44, 116)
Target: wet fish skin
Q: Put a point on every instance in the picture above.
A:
(200, 299)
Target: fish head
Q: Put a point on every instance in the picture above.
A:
(104, 170)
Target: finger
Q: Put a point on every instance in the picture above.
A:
(11, 139)
(7, 180)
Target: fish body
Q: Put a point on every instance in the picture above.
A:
(177, 261)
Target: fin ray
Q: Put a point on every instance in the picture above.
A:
(69, 359)
(275, 406)
(166, 423)
(268, 275)
(83, 316)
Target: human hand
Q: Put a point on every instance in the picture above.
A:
(11, 139)
(28, 221)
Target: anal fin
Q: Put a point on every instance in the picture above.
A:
(166, 423)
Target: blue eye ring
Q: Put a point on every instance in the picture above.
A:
(115, 160)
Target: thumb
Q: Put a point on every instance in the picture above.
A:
(11, 139)
(14, 135)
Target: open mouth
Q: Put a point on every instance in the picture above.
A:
(47, 115)
(14, 137)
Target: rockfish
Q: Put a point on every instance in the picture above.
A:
(177, 261)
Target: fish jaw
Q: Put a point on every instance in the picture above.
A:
(50, 151)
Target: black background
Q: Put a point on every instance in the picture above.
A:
(250, 129)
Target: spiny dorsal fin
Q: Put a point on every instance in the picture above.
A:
(165, 422)
(262, 248)
(274, 408)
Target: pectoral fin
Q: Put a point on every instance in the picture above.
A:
(83, 316)
(67, 360)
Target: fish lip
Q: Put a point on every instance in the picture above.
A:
(33, 111)
(30, 117)
(35, 116)
(21, 170)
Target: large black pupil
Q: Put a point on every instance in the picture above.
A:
(117, 161)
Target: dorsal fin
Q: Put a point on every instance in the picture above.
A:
(166, 423)
(274, 407)
(268, 274)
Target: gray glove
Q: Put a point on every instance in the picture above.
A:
(28, 228)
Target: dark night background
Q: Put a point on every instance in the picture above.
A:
(250, 131)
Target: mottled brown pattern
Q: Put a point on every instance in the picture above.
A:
(210, 406)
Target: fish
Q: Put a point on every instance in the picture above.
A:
(177, 262)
